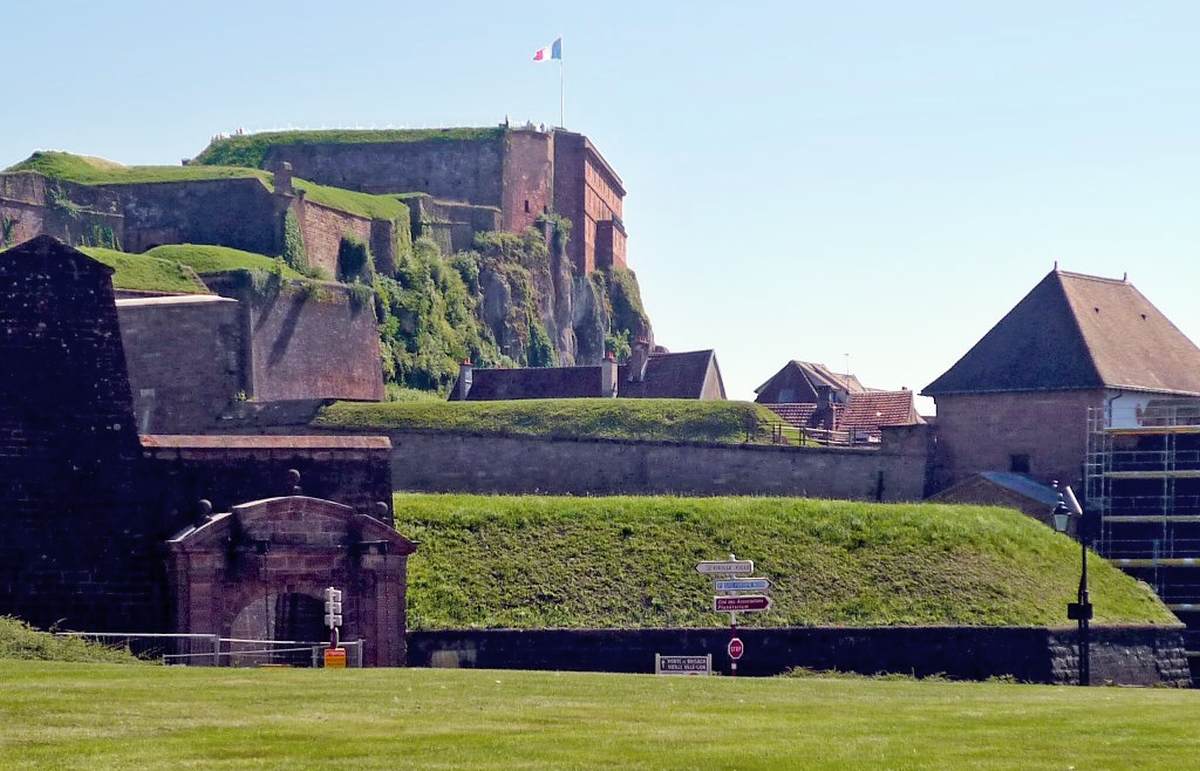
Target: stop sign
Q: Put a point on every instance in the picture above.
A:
(736, 648)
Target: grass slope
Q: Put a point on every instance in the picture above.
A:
(251, 149)
(87, 170)
(649, 419)
(376, 207)
(528, 562)
(205, 258)
(69, 715)
(20, 641)
(147, 273)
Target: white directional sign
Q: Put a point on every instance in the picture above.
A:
(741, 584)
(726, 567)
(682, 665)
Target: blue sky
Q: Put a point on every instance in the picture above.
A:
(806, 180)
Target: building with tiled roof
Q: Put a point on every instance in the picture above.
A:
(804, 382)
(859, 419)
(1018, 400)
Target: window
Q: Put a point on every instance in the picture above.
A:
(1019, 463)
(526, 205)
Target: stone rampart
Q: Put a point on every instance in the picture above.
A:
(445, 462)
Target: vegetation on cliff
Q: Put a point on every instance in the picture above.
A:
(146, 273)
(251, 149)
(532, 562)
(428, 321)
(677, 420)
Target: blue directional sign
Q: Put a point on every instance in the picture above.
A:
(741, 584)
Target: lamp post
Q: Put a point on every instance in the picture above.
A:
(1080, 611)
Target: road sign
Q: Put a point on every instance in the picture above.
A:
(726, 567)
(741, 584)
(682, 665)
(335, 658)
(743, 603)
(333, 608)
(736, 648)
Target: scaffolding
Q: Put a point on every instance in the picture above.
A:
(1142, 480)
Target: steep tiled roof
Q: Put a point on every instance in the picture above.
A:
(1078, 332)
(668, 376)
(871, 409)
(797, 414)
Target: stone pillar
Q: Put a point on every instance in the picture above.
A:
(465, 371)
(608, 376)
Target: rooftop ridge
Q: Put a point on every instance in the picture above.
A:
(1090, 277)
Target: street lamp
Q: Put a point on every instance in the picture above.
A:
(1081, 611)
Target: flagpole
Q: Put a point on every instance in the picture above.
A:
(562, 92)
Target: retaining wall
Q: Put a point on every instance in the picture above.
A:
(1143, 655)
(443, 462)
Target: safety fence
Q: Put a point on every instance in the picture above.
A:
(213, 650)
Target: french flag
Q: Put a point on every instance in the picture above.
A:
(552, 51)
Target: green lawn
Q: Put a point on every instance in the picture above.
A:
(205, 258)
(531, 562)
(146, 273)
(649, 419)
(251, 149)
(106, 716)
(376, 207)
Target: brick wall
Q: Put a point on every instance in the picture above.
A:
(451, 225)
(184, 356)
(528, 187)
(228, 470)
(981, 432)
(68, 445)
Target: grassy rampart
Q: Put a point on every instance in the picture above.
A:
(530, 562)
(647, 419)
(250, 150)
(205, 258)
(142, 272)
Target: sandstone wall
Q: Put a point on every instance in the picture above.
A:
(443, 462)
(307, 340)
(458, 170)
(980, 432)
(82, 215)
(184, 356)
(323, 229)
(239, 213)
(528, 186)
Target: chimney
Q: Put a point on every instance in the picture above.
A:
(283, 179)
(464, 379)
(638, 359)
(608, 376)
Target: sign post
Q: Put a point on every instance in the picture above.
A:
(335, 656)
(732, 577)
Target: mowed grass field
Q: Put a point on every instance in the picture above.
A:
(113, 716)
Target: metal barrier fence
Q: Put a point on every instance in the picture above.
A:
(214, 650)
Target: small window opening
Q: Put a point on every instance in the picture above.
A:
(526, 205)
(1019, 464)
